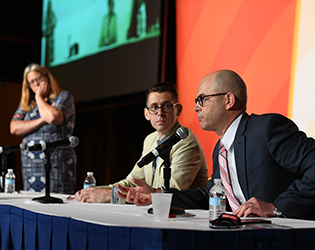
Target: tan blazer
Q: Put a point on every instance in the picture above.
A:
(188, 164)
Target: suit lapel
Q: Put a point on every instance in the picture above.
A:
(240, 155)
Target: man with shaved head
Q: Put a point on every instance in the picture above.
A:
(270, 163)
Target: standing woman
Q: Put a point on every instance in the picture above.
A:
(46, 113)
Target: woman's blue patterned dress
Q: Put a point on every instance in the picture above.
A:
(63, 160)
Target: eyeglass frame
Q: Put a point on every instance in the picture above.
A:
(161, 107)
(201, 98)
(38, 79)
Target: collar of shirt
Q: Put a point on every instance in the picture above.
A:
(229, 135)
(165, 137)
(228, 142)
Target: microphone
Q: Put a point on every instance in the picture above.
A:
(163, 148)
(7, 150)
(42, 146)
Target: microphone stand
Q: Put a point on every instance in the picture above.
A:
(167, 169)
(47, 198)
(167, 177)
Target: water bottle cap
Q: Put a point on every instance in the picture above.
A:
(90, 173)
(10, 170)
(217, 181)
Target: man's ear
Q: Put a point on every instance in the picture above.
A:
(179, 109)
(146, 114)
(230, 100)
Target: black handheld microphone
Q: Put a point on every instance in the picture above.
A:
(163, 148)
(7, 150)
(42, 146)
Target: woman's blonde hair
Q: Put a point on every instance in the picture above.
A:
(28, 97)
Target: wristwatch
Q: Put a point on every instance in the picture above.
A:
(278, 213)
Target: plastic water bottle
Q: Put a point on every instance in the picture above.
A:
(9, 183)
(217, 200)
(89, 180)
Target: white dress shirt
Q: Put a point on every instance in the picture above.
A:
(228, 142)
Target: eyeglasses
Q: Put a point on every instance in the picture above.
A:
(202, 98)
(166, 108)
(37, 79)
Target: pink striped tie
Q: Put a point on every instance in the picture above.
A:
(225, 177)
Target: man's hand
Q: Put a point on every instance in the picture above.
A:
(140, 195)
(255, 207)
(94, 195)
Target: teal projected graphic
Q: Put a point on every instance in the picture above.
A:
(74, 29)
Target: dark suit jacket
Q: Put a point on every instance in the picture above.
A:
(275, 163)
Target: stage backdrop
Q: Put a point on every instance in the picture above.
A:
(271, 44)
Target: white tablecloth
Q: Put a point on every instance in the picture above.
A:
(124, 215)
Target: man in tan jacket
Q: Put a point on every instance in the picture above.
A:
(187, 159)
